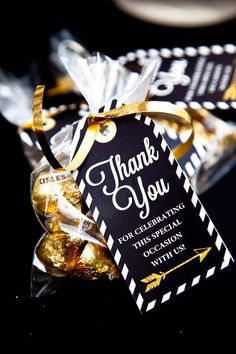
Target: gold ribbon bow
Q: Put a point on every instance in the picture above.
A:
(153, 109)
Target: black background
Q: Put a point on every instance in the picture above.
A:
(100, 316)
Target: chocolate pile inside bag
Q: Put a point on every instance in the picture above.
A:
(63, 255)
(73, 244)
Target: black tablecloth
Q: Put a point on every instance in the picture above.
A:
(102, 316)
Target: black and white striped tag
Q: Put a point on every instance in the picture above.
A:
(159, 233)
(193, 158)
(191, 77)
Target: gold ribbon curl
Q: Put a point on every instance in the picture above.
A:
(153, 109)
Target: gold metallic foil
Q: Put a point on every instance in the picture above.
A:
(49, 187)
(95, 263)
(58, 252)
(63, 255)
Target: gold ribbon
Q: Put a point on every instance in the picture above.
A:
(230, 92)
(153, 109)
(48, 118)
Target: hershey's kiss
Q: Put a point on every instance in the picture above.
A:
(63, 255)
(49, 187)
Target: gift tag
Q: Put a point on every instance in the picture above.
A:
(194, 77)
(160, 235)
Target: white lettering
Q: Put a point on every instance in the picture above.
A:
(166, 81)
(123, 196)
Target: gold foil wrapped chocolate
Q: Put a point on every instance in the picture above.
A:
(49, 187)
(63, 255)
(57, 252)
(67, 249)
(96, 263)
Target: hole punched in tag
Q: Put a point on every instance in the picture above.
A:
(48, 124)
(107, 131)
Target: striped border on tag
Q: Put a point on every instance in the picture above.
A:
(213, 233)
